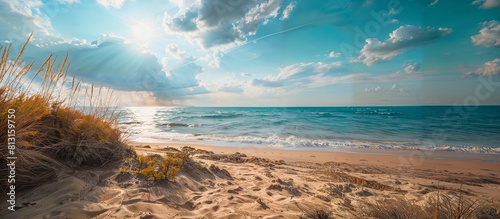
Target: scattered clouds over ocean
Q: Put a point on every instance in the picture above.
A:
(195, 44)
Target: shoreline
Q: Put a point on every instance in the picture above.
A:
(357, 145)
(427, 154)
(406, 159)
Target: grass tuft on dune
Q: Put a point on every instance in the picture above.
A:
(58, 123)
(452, 205)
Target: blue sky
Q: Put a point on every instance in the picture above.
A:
(270, 52)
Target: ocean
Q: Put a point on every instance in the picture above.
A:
(447, 128)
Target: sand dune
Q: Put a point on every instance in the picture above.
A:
(234, 183)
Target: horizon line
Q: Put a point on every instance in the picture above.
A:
(318, 106)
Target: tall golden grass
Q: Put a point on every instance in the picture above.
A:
(60, 123)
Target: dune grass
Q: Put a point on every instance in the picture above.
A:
(438, 206)
(317, 213)
(58, 122)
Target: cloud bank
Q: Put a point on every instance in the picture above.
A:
(125, 67)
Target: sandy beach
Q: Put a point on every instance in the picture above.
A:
(234, 182)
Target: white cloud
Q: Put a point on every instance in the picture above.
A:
(230, 86)
(489, 35)
(394, 88)
(301, 74)
(288, 10)
(333, 54)
(174, 51)
(110, 38)
(367, 3)
(213, 58)
(373, 89)
(164, 64)
(244, 74)
(111, 3)
(215, 23)
(68, 1)
(433, 3)
(487, 4)
(412, 67)
(305, 69)
(32, 3)
(400, 40)
(19, 19)
(489, 68)
(393, 11)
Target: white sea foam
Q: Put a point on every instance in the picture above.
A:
(407, 128)
(275, 141)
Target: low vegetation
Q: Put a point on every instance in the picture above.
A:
(156, 167)
(159, 167)
(59, 122)
(317, 213)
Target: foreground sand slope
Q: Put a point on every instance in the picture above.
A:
(232, 184)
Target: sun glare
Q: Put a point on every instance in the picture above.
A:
(143, 32)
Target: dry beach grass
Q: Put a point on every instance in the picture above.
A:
(50, 133)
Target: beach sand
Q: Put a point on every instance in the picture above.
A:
(236, 182)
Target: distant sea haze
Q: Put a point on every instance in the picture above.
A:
(409, 127)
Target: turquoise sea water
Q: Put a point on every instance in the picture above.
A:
(453, 128)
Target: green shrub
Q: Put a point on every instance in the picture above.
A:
(162, 167)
